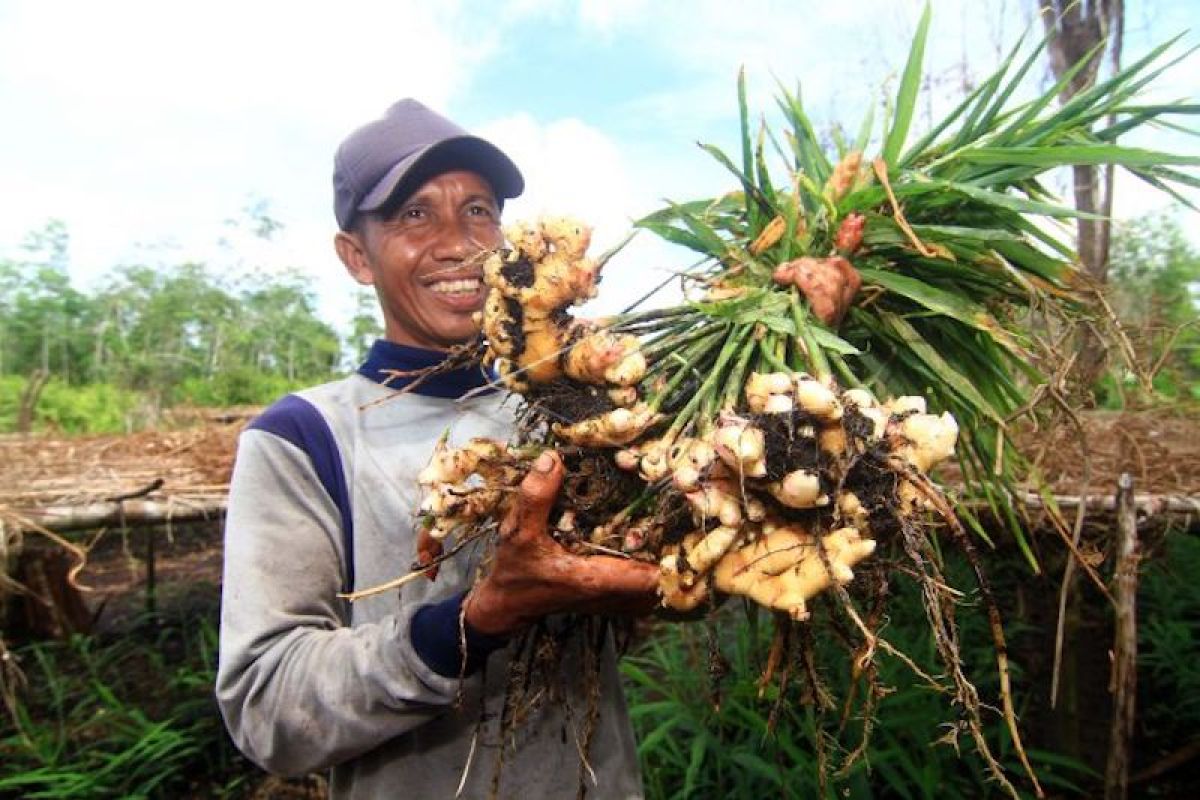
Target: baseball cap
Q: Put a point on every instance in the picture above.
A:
(397, 153)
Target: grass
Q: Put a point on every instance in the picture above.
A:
(127, 714)
(704, 730)
(130, 713)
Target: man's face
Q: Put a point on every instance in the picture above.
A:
(420, 259)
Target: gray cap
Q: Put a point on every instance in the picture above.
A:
(410, 144)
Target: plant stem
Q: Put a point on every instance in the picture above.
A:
(767, 348)
(847, 376)
(671, 341)
(694, 355)
(736, 380)
(635, 318)
(732, 344)
(817, 362)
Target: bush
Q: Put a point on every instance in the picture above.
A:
(236, 387)
(89, 408)
(739, 742)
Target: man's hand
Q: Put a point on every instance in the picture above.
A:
(532, 575)
(829, 284)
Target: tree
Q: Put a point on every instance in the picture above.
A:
(1079, 33)
(42, 317)
(365, 325)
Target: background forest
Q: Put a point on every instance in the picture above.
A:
(151, 336)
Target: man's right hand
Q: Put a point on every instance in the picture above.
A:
(532, 575)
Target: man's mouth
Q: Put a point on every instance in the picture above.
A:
(459, 286)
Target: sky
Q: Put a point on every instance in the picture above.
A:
(149, 127)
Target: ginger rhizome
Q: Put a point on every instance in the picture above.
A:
(531, 337)
(772, 487)
(711, 439)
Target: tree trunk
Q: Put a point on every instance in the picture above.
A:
(29, 398)
(1075, 29)
(53, 607)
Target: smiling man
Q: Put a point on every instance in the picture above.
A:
(389, 692)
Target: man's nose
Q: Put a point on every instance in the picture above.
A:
(455, 241)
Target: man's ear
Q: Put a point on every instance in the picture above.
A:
(353, 253)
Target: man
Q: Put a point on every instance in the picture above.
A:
(323, 500)
(390, 691)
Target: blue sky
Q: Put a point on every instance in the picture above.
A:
(146, 125)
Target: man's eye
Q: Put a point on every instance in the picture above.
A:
(481, 210)
(412, 213)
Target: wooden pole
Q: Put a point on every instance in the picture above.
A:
(1123, 684)
(127, 512)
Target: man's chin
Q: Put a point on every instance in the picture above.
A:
(450, 338)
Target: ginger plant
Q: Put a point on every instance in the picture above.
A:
(749, 449)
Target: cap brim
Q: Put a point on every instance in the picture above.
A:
(461, 152)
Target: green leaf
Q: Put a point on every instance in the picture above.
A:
(758, 766)
(762, 175)
(942, 302)
(810, 157)
(677, 236)
(1049, 157)
(828, 340)
(906, 97)
(650, 742)
(997, 107)
(1030, 259)
(864, 131)
(752, 192)
(1161, 185)
(699, 745)
(1013, 203)
(927, 353)
(1139, 115)
(752, 214)
(1032, 109)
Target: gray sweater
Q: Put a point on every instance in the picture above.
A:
(322, 499)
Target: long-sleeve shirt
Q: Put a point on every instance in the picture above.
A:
(323, 500)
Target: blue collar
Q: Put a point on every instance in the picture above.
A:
(387, 355)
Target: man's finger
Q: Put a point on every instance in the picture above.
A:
(428, 550)
(531, 513)
(608, 576)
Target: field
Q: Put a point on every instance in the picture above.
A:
(121, 669)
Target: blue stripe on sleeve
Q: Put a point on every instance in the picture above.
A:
(435, 636)
(297, 421)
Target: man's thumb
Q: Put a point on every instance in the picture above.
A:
(535, 497)
(540, 485)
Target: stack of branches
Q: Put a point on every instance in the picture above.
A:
(749, 449)
(69, 492)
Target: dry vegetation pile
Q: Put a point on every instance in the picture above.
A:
(1159, 448)
(191, 463)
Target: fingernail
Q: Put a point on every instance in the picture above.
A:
(544, 463)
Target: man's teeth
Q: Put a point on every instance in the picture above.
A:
(466, 285)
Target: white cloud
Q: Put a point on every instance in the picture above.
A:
(573, 168)
(140, 117)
